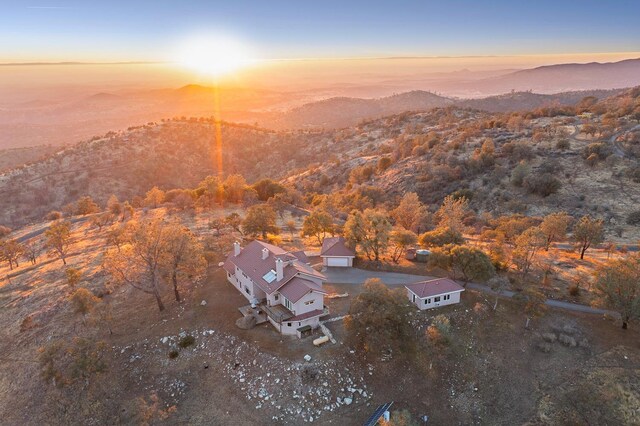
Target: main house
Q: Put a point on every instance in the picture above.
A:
(281, 283)
(434, 293)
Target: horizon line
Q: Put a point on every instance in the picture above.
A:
(354, 58)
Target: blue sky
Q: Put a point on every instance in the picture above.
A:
(33, 30)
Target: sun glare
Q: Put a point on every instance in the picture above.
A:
(214, 56)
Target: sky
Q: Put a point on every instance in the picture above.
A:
(137, 30)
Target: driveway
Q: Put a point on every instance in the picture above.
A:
(359, 276)
(395, 279)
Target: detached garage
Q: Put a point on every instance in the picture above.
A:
(335, 253)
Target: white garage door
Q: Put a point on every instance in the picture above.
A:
(337, 261)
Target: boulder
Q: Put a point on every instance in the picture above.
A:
(246, 323)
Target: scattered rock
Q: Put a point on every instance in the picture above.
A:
(203, 303)
(307, 358)
(348, 401)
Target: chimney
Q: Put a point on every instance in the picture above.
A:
(236, 248)
(265, 253)
(279, 269)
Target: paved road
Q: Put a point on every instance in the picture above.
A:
(42, 229)
(617, 148)
(396, 279)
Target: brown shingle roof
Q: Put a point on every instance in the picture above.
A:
(335, 246)
(251, 263)
(434, 287)
(296, 288)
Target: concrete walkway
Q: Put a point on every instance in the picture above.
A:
(395, 279)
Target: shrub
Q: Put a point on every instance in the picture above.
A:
(544, 347)
(592, 160)
(4, 231)
(563, 144)
(600, 149)
(518, 174)
(384, 163)
(633, 218)
(574, 289)
(186, 341)
(173, 354)
(543, 185)
(440, 237)
(633, 173)
(463, 193)
(567, 340)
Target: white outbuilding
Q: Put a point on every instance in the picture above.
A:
(434, 293)
(336, 253)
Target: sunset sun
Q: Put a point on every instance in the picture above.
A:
(214, 56)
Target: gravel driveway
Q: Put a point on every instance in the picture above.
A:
(359, 276)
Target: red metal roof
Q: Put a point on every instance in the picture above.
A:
(336, 246)
(434, 287)
(250, 262)
(307, 315)
(296, 288)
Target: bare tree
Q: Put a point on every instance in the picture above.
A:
(184, 256)
(138, 262)
(619, 283)
(58, 239)
(410, 213)
(11, 251)
(588, 232)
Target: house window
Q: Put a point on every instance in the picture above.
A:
(446, 297)
(288, 324)
(309, 302)
(436, 299)
(414, 299)
(276, 297)
(246, 289)
(427, 301)
(287, 303)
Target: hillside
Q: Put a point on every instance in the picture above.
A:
(344, 112)
(441, 152)
(526, 101)
(12, 158)
(433, 153)
(171, 154)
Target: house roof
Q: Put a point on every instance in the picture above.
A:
(336, 246)
(297, 288)
(307, 315)
(434, 287)
(301, 255)
(250, 262)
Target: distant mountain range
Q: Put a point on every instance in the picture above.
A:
(64, 120)
(343, 112)
(565, 77)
